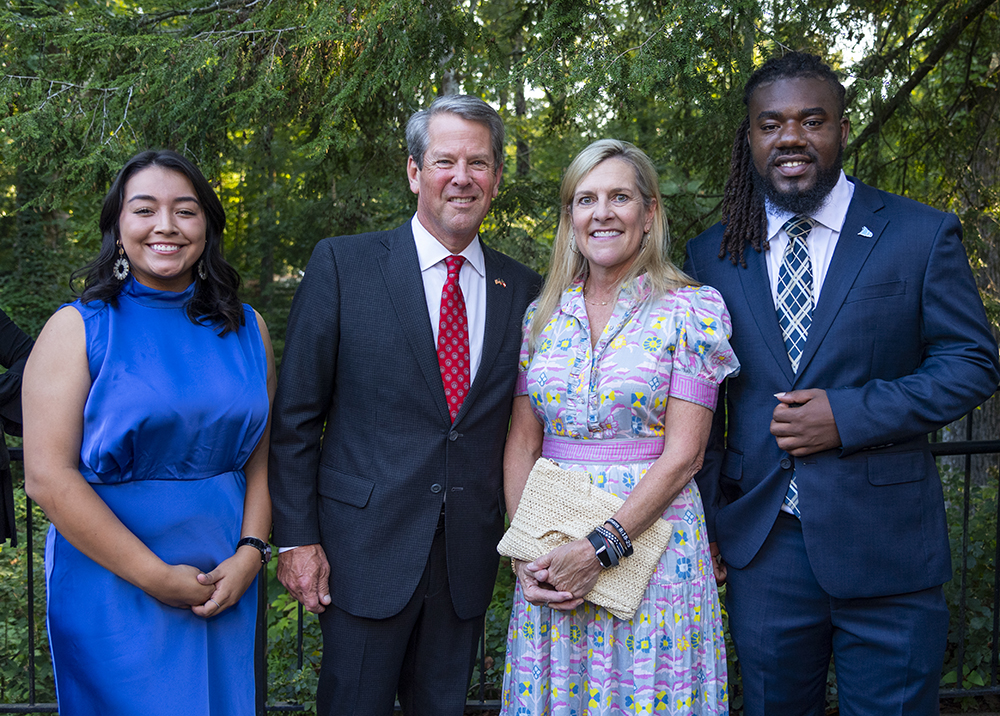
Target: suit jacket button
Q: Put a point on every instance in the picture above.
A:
(785, 463)
(436, 488)
(453, 435)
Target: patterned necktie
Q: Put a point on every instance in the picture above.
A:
(795, 289)
(795, 307)
(453, 339)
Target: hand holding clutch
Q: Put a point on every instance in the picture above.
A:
(558, 506)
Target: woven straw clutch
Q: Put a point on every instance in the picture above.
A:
(558, 506)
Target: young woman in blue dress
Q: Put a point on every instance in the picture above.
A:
(146, 406)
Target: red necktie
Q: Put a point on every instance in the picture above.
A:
(453, 339)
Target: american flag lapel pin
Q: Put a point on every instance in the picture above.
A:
(500, 282)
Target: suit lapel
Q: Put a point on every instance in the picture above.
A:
(401, 273)
(862, 228)
(498, 304)
(757, 290)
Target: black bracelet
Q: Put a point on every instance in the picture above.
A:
(612, 540)
(621, 530)
(614, 550)
(260, 545)
(601, 548)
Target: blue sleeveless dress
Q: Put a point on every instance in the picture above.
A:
(173, 414)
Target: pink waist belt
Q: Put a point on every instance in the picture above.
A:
(620, 450)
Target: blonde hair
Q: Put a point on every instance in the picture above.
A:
(567, 266)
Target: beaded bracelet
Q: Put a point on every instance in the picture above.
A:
(624, 535)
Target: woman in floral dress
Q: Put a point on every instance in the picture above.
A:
(622, 358)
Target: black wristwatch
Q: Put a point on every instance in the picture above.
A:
(264, 547)
(601, 549)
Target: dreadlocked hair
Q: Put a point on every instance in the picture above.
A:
(743, 211)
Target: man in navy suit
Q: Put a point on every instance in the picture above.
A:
(388, 430)
(859, 329)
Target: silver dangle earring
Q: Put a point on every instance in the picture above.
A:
(202, 271)
(572, 242)
(645, 240)
(121, 268)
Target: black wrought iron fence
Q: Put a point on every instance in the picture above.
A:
(32, 706)
(974, 592)
(972, 663)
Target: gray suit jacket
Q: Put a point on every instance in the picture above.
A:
(363, 450)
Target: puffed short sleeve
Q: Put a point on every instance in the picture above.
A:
(703, 357)
(521, 386)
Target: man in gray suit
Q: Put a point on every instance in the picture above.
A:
(389, 424)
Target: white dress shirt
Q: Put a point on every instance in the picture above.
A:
(829, 220)
(431, 255)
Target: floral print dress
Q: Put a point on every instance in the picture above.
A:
(670, 658)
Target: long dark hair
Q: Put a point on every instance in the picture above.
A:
(215, 301)
(743, 210)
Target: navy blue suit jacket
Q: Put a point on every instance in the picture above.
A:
(900, 342)
(363, 449)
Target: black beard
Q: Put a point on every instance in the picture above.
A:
(800, 202)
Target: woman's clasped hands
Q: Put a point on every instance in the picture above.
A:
(229, 581)
(562, 578)
(206, 593)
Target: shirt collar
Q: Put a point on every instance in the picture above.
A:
(430, 251)
(830, 214)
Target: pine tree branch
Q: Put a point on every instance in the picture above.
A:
(66, 85)
(214, 7)
(128, 103)
(639, 47)
(228, 34)
(947, 40)
(875, 64)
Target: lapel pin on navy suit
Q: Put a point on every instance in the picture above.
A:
(500, 282)
(866, 232)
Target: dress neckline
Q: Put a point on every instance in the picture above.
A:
(155, 298)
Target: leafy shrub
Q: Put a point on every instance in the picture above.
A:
(286, 682)
(979, 578)
(497, 618)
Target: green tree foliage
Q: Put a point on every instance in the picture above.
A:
(296, 109)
